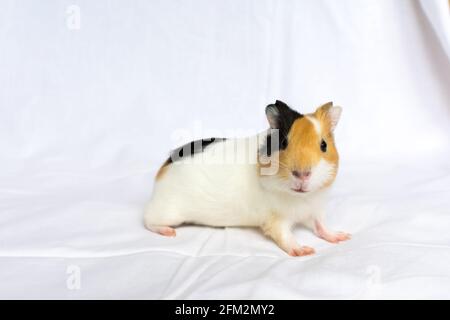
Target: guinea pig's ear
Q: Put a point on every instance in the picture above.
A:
(330, 113)
(280, 116)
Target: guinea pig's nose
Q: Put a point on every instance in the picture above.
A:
(303, 175)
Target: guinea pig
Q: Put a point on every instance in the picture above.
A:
(274, 180)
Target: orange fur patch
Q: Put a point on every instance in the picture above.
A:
(162, 170)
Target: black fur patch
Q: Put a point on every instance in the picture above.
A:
(191, 148)
(282, 117)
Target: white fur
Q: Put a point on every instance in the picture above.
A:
(208, 192)
(316, 124)
(320, 174)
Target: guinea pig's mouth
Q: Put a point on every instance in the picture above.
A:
(299, 190)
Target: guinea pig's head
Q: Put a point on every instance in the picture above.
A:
(306, 155)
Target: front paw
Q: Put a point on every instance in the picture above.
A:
(336, 237)
(299, 251)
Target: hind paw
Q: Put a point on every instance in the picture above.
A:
(164, 231)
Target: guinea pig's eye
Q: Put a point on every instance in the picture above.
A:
(323, 146)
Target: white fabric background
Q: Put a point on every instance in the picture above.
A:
(87, 116)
